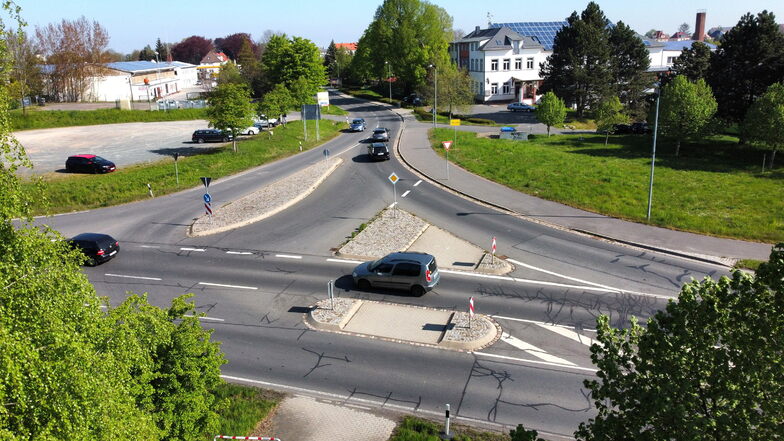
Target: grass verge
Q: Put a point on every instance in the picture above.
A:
(79, 192)
(417, 429)
(751, 264)
(714, 187)
(246, 407)
(45, 119)
(422, 115)
(333, 110)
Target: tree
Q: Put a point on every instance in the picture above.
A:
(231, 45)
(651, 33)
(551, 111)
(694, 62)
(26, 77)
(163, 50)
(521, 434)
(409, 35)
(608, 115)
(629, 64)
(301, 92)
(685, 28)
(329, 57)
(75, 49)
(230, 109)
(455, 92)
(708, 367)
(686, 109)
(191, 50)
(749, 59)
(147, 54)
(230, 73)
(764, 122)
(250, 67)
(276, 102)
(286, 60)
(579, 68)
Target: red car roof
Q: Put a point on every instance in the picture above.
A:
(83, 156)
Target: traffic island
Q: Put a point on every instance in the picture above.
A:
(416, 325)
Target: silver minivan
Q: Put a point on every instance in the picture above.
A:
(413, 272)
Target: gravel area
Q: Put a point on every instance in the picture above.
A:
(265, 202)
(334, 313)
(393, 230)
(482, 331)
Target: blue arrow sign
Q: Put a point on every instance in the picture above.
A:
(207, 198)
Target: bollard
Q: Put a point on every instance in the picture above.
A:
(149, 189)
(446, 434)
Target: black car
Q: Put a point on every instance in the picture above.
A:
(88, 164)
(640, 128)
(380, 134)
(413, 99)
(378, 151)
(622, 129)
(96, 247)
(205, 135)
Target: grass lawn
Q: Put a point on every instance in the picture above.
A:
(45, 119)
(578, 122)
(246, 407)
(67, 192)
(714, 188)
(416, 429)
(333, 110)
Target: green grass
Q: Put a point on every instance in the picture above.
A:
(423, 115)
(333, 110)
(79, 192)
(715, 187)
(416, 429)
(44, 119)
(751, 264)
(578, 122)
(246, 407)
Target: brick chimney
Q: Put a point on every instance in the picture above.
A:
(699, 26)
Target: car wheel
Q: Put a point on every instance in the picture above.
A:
(363, 284)
(200, 140)
(225, 139)
(417, 291)
(91, 261)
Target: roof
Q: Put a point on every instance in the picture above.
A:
(678, 45)
(214, 57)
(499, 38)
(347, 46)
(144, 66)
(542, 31)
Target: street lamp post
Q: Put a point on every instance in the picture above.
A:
(653, 155)
(158, 76)
(435, 93)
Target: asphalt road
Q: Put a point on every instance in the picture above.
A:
(254, 282)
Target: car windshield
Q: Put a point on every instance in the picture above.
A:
(374, 264)
(379, 131)
(357, 121)
(379, 149)
(99, 159)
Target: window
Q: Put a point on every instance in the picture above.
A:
(671, 60)
(494, 88)
(506, 88)
(529, 63)
(494, 64)
(506, 64)
(518, 63)
(406, 269)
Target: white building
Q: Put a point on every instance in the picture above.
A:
(140, 80)
(664, 53)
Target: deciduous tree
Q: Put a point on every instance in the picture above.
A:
(26, 76)
(231, 45)
(455, 93)
(287, 60)
(764, 122)
(686, 109)
(608, 114)
(192, 49)
(276, 102)
(250, 67)
(551, 111)
(230, 109)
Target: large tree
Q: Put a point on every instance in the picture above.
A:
(250, 67)
(455, 93)
(287, 60)
(629, 64)
(707, 368)
(749, 59)
(764, 123)
(231, 45)
(191, 50)
(230, 109)
(686, 109)
(163, 50)
(26, 76)
(694, 62)
(276, 102)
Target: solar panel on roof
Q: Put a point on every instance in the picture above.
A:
(543, 31)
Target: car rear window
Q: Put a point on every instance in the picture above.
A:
(432, 265)
(379, 149)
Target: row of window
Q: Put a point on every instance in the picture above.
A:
(505, 87)
(477, 64)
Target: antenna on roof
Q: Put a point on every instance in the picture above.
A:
(489, 19)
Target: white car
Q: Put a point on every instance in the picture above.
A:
(263, 121)
(252, 130)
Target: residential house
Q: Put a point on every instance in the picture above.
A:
(210, 65)
(350, 47)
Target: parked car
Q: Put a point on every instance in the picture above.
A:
(622, 129)
(264, 122)
(380, 134)
(88, 164)
(252, 130)
(521, 107)
(96, 247)
(378, 151)
(205, 135)
(413, 99)
(357, 125)
(640, 128)
(413, 272)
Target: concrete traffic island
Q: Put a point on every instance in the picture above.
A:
(416, 325)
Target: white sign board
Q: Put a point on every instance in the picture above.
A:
(322, 98)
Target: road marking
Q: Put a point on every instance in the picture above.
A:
(405, 194)
(206, 318)
(131, 277)
(227, 286)
(514, 279)
(343, 261)
(533, 350)
(418, 182)
(288, 256)
(243, 253)
(392, 205)
(536, 322)
(568, 333)
(192, 249)
(149, 246)
(523, 360)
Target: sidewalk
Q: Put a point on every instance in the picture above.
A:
(414, 149)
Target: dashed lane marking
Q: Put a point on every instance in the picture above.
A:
(242, 253)
(192, 249)
(405, 194)
(149, 246)
(206, 318)
(227, 286)
(418, 182)
(536, 351)
(392, 205)
(131, 277)
(343, 261)
(288, 256)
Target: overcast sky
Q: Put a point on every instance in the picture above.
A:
(134, 24)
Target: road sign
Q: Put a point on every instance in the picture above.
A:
(176, 155)
(206, 181)
(471, 306)
(207, 198)
(493, 244)
(393, 178)
(447, 144)
(208, 209)
(454, 122)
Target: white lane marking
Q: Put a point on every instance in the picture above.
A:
(206, 318)
(609, 288)
(149, 246)
(405, 194)
(244, 253)
(227, 286)
(568, 333)
(131, 277)
(60, 214)
(523, 360)
(536, 322)
(392, 205)
(514, 279)
(533, 350)
(418, 182)
(288, 256)
(192, 249)
(343, 261)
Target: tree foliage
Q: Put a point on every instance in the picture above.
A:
(26, 76)
(276, 102)
(686, 109)
(147, 54)
(608, 114)
(629, 64)
(250, 67)
(551, 111)
(455, 93)
(287, 60)
(230, 109)
(764, 123)
(749, 59)
(708, 367)
(162, 49)
(231, 45)
(191, 49)
(694, 62)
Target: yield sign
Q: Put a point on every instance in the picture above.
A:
(393, 178)
(447, 144)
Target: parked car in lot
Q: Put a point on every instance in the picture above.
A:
(96, 247)
(252, 130)
(206, 135)
(88, 164)
(380, 134)
(520, 107)
(413, 272)
(640, 128)
(357, 125)
(378, 151)
(263, 122)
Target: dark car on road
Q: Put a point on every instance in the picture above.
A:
(96, 247)
(206, 135)
(380, 134)
(413, 272)
(88, 164)
(378, 151)
(520, 107)
(413, 99)
(358, 125)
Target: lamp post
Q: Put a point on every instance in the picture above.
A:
(435, 93)
(653, 155)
